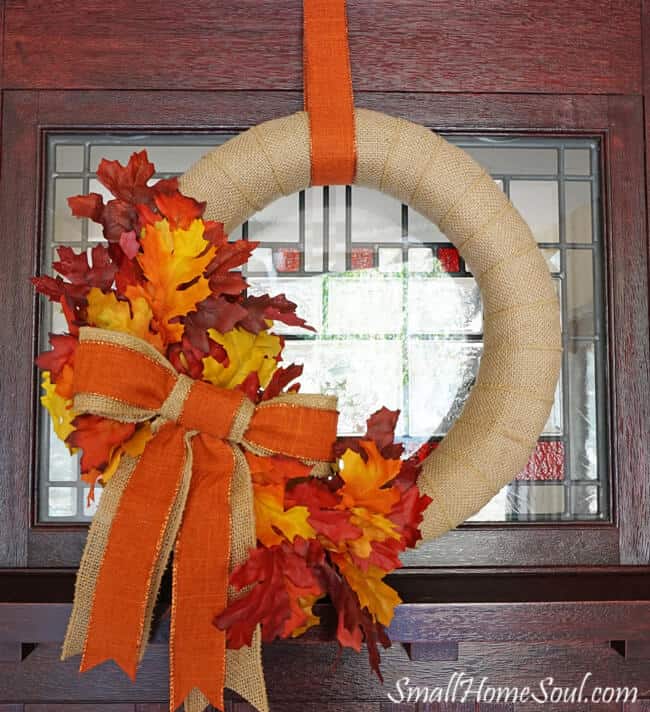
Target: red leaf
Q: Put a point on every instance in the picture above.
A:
(165, 186)
(119, 216)
(229, 256)
(214, 233)
(264, 307)
(98, 437)
(128, 183)
(231, 283)
(87, 206)
(75, 267)
(179, 210)
(51, 287)
(407, 514)
(212, 313)
(323, 517)
(62, 353)
(129, 244)
(278, 577)
(250, 386)
(280, 379)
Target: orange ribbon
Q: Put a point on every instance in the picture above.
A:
(328, 92)
(188, 464)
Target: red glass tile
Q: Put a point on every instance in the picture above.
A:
(286, 260)
(449, 259)
(546, 462)
(362, 258)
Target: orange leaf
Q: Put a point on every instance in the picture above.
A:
(173, 261)
(364, 480)
(276, 524)
(98, 437)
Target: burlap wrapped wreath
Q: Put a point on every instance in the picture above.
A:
(492, 439)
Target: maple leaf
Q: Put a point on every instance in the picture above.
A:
(364, 481)
(215, 234)
(375, 595)
(59, 362)
(87, 206)
(59, 408)
(328, 521)
(380, 428)
(128, 183)
(216, 313)
(273, 522)
(247, 353)
(280, 578)
(263, 308)
(173, 262)
(98, 437)
(375, 528)
(281, 378)
(77, 270)
(51, 287)
(119, 216)
(105, 311)
(179, 210)
(275, 469)
(407, 514)
(134, 447)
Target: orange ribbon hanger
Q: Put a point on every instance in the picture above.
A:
(328, 92)
(184, 472)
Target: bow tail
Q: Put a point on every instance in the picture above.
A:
(197, 650)
(136, 549)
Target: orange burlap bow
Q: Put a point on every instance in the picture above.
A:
(190, 491)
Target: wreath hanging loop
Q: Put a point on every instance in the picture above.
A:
(508, 406)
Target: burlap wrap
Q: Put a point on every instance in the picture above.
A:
(508, 406)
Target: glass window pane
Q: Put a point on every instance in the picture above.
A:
(577, 161)
(537, 201)
(398, 317)
(69, 159)
(577, 211)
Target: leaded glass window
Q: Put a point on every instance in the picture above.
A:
(396, 311)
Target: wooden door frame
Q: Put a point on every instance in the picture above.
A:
(616, 120)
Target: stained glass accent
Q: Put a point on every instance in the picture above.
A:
(398, 317)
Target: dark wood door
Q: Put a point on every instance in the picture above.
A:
(514, 602)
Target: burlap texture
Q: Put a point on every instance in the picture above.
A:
(510, 402)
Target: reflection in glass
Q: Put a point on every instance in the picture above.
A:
(537, 201)
(577, 211)
(579, 293)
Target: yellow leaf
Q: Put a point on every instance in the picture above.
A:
(375, 527)
(247, 353)
(270, 515)
(306, 604)
(171, 259)
(375, 595)
(60, 409)
(364, 480)
(107, 312)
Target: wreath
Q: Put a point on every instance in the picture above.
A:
(171, 384)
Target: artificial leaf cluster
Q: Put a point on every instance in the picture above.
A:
(170, 277)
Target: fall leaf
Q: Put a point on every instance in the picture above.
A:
(87, 206)
(59, 362)
(60, 409)
(216, 313)
(247, 353)
(380, 428)
(273, 522)
(173, 262)
(364, 480)
(280, 578)
(179, 210)
(375, 595)
(98, 437)
(133, 447)
(77, 270)
(281, 378)
(407, 514)
(328, 521)
(263, 308)
(105, 311)
(128, 183)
